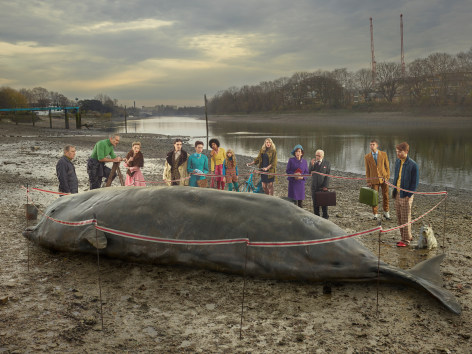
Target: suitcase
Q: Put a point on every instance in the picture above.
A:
(369, 196)
(327, 198)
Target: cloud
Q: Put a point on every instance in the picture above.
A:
(162, 51)
(115, 27)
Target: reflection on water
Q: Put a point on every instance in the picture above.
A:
(443, 155)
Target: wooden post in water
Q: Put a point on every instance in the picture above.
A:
(50, 119)
(126, 122)
(77, 120)
(32, 117)
(206, 120)
(66, 118)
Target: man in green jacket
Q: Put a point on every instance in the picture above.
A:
(103, 151)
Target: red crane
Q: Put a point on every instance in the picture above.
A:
(402, 53)
(374, 70)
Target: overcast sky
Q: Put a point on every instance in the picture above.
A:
(174, 51)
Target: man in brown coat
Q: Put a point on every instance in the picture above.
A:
(377, 168)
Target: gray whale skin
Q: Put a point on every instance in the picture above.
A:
(186, 213)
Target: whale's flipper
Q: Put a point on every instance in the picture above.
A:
(426, 275)
(95, 237)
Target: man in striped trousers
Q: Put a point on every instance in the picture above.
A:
(405, 180)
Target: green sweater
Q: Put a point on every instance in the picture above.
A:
(102, 149)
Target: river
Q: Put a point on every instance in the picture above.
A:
(443, 154)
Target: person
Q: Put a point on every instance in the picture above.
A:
(405, 180)
(377, 172)
(230, 170)
(297, 165)
(175, 167)
(319, 182)
(96, 168)
(65, 170)
(197, 163)
(134, 161)
(217, 154)
(267, 161)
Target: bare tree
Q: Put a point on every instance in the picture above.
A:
(363, 82)
(41, 97)
(464, 60)
(389, 77)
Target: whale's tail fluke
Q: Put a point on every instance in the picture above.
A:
(426, 275)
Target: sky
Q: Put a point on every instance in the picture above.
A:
(173, 51)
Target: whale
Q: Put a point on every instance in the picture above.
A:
(239, 233)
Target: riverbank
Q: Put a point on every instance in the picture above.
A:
(54, 306)
(384, 119)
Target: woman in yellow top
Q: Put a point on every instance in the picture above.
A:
(267, 161)
(218, 155)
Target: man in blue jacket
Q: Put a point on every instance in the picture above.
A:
(65, 170)
(405, 180)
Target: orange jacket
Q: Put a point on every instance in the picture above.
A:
(381, 169)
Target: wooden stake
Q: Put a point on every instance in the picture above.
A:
(115, 169)
(66, 118)
(206, 120)
(126, 122)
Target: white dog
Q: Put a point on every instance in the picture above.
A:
(427, 239)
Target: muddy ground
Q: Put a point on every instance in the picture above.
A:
(49, 302)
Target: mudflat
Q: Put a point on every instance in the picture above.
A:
(54, 305)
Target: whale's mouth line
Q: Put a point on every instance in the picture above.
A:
(28, 233)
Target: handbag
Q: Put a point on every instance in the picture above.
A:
(327, 198)
(202, 183)
(369, 196)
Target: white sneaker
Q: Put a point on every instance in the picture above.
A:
(376, 216)
(387, 215)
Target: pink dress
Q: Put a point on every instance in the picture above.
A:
(137, 179)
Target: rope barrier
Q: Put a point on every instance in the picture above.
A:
(45, 191)
(238, 240)
(418, 218)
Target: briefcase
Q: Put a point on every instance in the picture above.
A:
(369, 196)
(327, 198)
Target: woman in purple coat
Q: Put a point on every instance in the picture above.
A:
(297, 166)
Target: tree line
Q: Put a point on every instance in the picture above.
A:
(439, 79)
(100, 104)
(41, 97)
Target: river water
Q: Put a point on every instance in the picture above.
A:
(443, 155)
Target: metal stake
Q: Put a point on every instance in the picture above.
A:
(27, 224)
(244, 290)
(98, 265)
(378, 270)
(444, 222)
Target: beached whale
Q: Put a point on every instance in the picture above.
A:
(130, 221)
